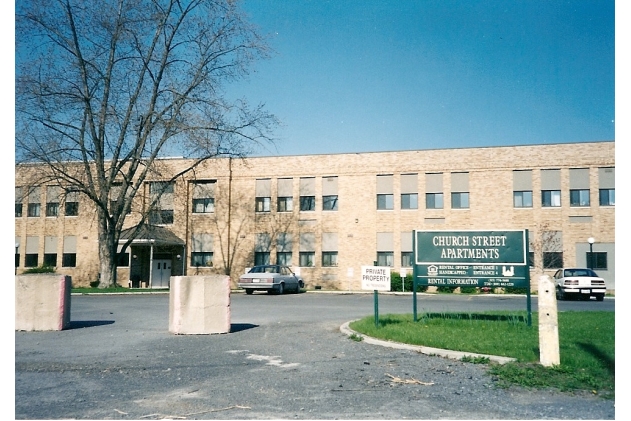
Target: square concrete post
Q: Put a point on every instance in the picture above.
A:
(199, 305)
(548, 323)
(42, 302)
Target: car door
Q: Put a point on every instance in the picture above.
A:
(290, 280)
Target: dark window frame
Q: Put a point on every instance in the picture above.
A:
(329, 259)
(307, 203)
(460, 200)
(407, 202)
(547, 196)
(522, 199)
(385, 201)
(579, 198)
(329, 202)
(431, 201)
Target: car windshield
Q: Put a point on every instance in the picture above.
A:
(264, 269)
(580, 273)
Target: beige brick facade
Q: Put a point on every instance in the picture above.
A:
(357, 229)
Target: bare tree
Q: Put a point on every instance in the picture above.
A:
(103, 90)
(546, 243)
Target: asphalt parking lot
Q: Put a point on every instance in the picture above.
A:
(285, 358)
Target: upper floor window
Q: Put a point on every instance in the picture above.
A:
(606, 186)
(52, 201)
(409, 191)
(203, 196)
(550, 198)
(19, 198)
(460, 200)
(522, 199)
(263, 195)
(34, 204)
(434, 191)
(285, 204)
(161, 194)
(434, 201)
(579, 197)
(307, 203)
(460, 190)
(606, 197)
(71, 207)
(385, 201)
(579, 186)
(329, 203)
(385, 192)
(329, 193)
(522, 188)
(307, 194)
(550, 188)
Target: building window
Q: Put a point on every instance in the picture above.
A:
(606, 197)
(72, 209)
(552, 259)
(50, 259)
(69, 260)
(385, 201)
(307, 203)
(329, 203)
(329, 258)
(459, 200)
(52, 209)
(161, 217)
(263, 204)
(406, 259)
(522, 199)
(33, 210)
(34, 204)
(409, 201)
(69, 256)
(551, 198)
(385, 196)
(307, 258)
(71, 205)
(531, 259)
(204, 196)
(201, 259)
(162, 200)
(201, 250)
(19, 198)
(329, 193)
(579, 197)
(385, 258)
(283, 258)
(285, 204)
(599, 262)
(206, 205)
(434, 200)
(30, 260)
(52, 201)
(262, 247)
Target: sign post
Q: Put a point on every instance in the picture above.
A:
(472, 258)
(376, 278)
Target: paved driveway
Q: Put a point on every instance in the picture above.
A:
(285, 358)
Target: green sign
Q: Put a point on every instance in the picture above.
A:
(471, 258)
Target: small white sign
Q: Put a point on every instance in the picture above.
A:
(349, 272)
(376, 278)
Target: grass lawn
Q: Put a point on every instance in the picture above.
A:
(586, 344)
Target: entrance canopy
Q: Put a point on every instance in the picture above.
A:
(151, 234)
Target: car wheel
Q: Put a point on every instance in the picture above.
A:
(281, 288)
(600, 297)
(249, 291)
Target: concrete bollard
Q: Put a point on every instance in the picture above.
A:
(199, 305)
(548, 323)
(42, 302)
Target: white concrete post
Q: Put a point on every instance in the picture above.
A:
(548, 323)
(42, 302)
(199, 305)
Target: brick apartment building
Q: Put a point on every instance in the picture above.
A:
(327, 215)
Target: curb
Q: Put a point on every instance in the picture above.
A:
(454, 355)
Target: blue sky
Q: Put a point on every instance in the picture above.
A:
(378, 75)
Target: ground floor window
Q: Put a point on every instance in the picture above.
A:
(283, 258)
(201, 258)
(50, 259)
(69, 260)
(30, 260)
(552, 259)
(385, 258)
(329, 258)
(599, 260)
(406, 259)
(307, 258)
(261, 258)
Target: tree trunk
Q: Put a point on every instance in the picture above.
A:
(107, 255)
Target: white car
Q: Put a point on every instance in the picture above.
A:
(271, 278)
(579, 283)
